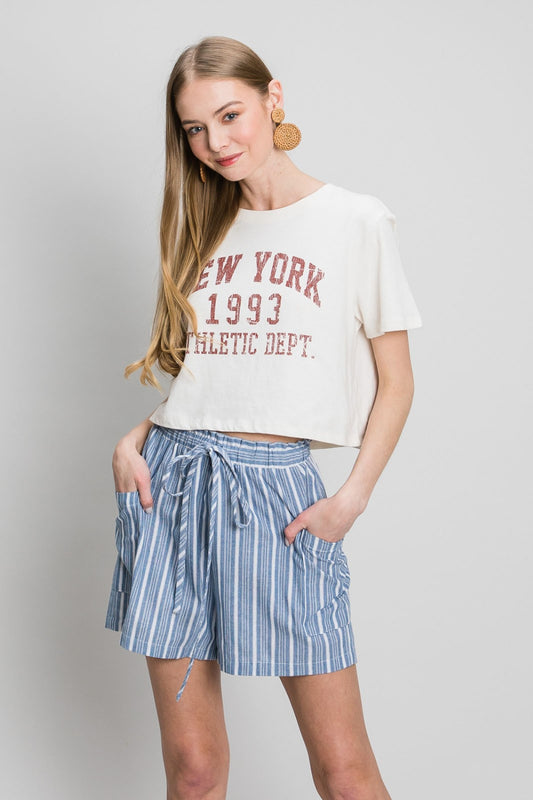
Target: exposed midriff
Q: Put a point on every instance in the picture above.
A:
(260, 437)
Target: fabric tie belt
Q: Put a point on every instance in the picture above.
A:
(220, 462)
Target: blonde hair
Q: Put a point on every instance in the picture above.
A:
(195, 217)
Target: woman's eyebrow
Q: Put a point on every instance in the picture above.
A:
(231, 103)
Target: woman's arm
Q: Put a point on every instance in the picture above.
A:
(387, 418)
(130, 469)
(137, 436)
(332, 517)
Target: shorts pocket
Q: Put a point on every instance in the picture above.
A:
(315, 489)
(326, 575)
(319, 547)
(324, 583)
(126, 537)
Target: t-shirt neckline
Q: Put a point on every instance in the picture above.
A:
(267, 212)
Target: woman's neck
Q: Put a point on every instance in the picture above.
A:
(276, 186)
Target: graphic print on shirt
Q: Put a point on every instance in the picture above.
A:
(257, 313)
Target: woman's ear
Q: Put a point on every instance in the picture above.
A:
(275, 94)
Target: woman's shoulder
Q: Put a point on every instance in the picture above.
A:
(362, 205)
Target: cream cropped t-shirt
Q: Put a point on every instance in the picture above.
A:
(287, 306)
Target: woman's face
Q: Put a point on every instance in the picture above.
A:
(228, 125)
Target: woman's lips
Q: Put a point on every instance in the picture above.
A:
(227, 162)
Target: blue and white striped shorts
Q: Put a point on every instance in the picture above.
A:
(207, 575)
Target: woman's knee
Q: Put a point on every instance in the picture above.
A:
(349, 780)
(196, 771)
(193, 733)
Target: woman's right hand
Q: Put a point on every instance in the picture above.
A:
(130, 470)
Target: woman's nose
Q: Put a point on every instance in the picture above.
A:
(217, 139)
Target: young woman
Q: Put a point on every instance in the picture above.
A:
(282, 316)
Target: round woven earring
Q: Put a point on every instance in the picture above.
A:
(202, 173)
(287, 136)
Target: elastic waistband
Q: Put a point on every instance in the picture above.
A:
(242, 450)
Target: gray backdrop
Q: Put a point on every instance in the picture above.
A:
(426, 106)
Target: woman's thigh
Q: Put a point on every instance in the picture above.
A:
(329, 713)
(193, 730)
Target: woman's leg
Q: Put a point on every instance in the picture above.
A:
(193, 731)
(329, 713)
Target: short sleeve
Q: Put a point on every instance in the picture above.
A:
(384, 301)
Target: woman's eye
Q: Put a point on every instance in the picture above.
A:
(194, 131)
(232, 115)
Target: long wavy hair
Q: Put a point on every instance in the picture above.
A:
(195, 216)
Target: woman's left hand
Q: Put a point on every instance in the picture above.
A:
(330, 518)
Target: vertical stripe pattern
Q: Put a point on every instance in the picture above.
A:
(207, 575)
